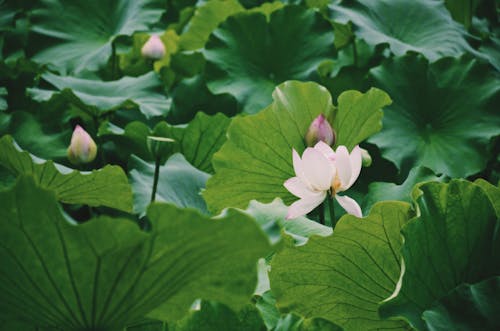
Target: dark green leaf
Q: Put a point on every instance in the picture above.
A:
(143, 93)
(423, 26)
(85, 30)
(107, 273)
(247, 55)
(467, 308)
(453, 238)
(443, 116)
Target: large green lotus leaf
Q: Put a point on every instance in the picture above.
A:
(248, 55)
(107, 273)
(105, 187)
(443, 116)
(84, 30)
(453, 238)
(257, 158)
(423, 26)
(493, 193)
(203, 137)
(382, 191)
(143, 93)
(271, 217)
(468, 307)
(205, 19)
(179, 183)
(348, 273)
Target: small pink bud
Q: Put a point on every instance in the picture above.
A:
(154, 48)
(320, 130)
(82, 148)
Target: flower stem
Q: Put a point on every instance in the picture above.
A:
(332, 211)
(156, 178)
(322, 213)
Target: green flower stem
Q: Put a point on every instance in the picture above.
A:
(333, 221)
(156, 177)
(322, 213)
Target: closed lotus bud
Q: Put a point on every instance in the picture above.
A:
(366, 158)
(320, 130)
(82, 148)
(154, 48)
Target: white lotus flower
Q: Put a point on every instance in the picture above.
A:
(154, 48)
(322, 170)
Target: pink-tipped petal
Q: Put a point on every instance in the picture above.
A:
(326, 150)
(303, 206)
(356, 162)
(298, 188)
(349, 204)
(318, 169)
(343, 165)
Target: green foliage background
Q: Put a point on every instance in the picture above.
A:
(415, 82)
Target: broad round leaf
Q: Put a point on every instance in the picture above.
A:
(179, 183)
(346, 275)
(85, 30)
(105, 187)
(107, 273)
(248, 55)
(143, 93)
(423, 26)
(443, 116)
(256, 159)
(453, 237)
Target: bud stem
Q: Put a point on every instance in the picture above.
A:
(156, 178)
(331, 206)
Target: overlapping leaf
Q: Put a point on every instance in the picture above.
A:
(84, 31)
(107, 273)
(179, 183)
(346, 275)
(443, 116)
(248, 55)
(105, 187)
(423, 26)
(257, 158)
(467, 307)
(381, 191)
(453, 237)
(143, 93)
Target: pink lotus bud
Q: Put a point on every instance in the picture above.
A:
(82, 148)
(154, 48)
(320, 130)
